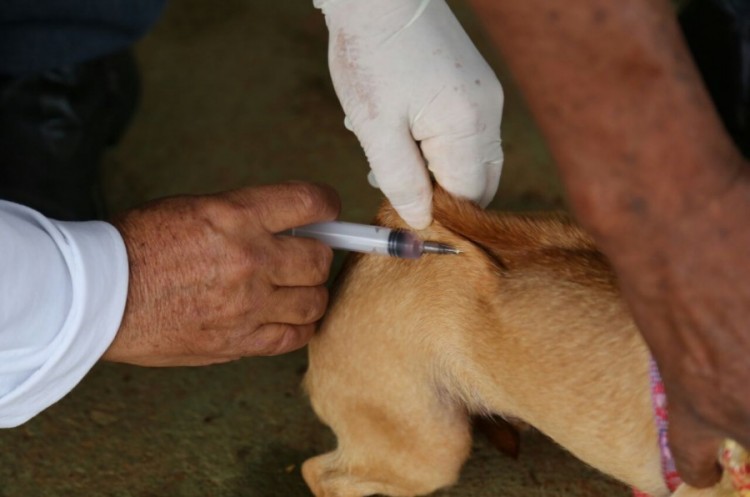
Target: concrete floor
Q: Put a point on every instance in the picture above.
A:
(237, 92)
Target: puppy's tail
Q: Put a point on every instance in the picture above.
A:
(548, 241)
(510, 232)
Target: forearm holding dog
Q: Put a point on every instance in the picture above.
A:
(654, 176)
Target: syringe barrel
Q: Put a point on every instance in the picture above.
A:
(405, 244)
(362, 238)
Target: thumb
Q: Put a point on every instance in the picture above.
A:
(695, 448)
(467, 166)
(400, 173)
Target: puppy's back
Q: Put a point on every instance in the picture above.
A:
(526, 322)
(517, 242)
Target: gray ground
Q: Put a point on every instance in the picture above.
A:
(237, 92)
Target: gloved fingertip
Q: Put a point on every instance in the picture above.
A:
(489, 192)
(417, 220)
(372, 179)
(419, 225)
(348, 123)
(486, 199)
(473, 194)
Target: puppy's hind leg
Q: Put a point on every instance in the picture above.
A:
(404, 443)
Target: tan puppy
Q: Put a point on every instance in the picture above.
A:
(526, 322)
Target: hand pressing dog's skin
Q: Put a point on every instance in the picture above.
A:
(210, 282)
(527, 323)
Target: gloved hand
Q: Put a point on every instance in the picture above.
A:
(410, 80)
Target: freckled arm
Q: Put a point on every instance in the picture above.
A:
(616, 94)
(652, 173)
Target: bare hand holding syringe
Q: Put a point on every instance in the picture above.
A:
(370, 239)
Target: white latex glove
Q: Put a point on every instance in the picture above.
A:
(410, 80)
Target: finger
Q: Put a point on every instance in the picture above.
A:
(467, 167)
(296, 305)
(694, 448)
(495, 171)
(400, 173)
(277, 338)
(288, 205)
(303, 262)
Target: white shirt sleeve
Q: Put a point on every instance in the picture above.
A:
(63, 287)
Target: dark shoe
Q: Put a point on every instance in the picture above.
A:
(54, 128)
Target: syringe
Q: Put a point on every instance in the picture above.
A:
(371, 239)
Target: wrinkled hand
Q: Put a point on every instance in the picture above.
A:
(414, 89)
(210, 282)
(689, 288)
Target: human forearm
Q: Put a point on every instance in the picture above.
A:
(654, 176)
(62, 294)
(623, 109)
